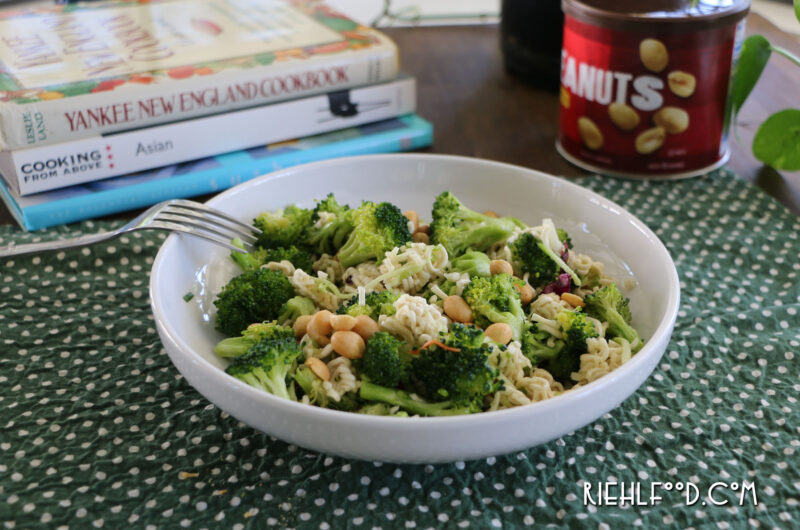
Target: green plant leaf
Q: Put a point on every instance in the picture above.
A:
(797, 9)
(777, 142)
(752, 60)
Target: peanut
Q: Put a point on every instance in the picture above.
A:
(420, 237)
(650, 140)
(499, 332)
(653, 54)
(319, 327)
(573, 300)
(457, 309)
(491, 213)
(301, 325)
(500, 266)
(590, 134)
(424, 229)
(412, 216)
(342, 322)
(525, 294)
(673, 119)
(319, 368)
(623, 116)
(365, 326)
(348, 344)
(682, 84)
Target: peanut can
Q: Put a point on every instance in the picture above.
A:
(643, 93)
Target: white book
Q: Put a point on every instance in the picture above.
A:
(81, 70)
(49, 167)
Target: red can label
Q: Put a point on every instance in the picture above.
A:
(642, 103)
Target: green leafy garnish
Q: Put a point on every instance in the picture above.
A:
(777, 142)
(188, 296)
(754, 56)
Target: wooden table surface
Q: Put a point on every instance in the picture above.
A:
(479, 110)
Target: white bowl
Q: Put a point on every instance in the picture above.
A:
(597, 226)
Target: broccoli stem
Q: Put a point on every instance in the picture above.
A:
(245, 260)
(391, 396)
(305, 379)
(620, 328)
(234, 346)
(276, 384)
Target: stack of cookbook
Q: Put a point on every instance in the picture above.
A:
(114, 105)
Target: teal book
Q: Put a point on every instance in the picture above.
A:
(210, 175)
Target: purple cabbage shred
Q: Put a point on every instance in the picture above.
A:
(562, 285)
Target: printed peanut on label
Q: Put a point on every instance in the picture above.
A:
(590, 133)
(650, 140)
(653, 54)
(681, 83)
(623, 116)
(674, 120)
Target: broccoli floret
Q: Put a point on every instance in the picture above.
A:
(266, 364)
(575, 329)
(248, 261)
(496, 299)
(530, 256)
(282, 228)
(472, 262)
(538, 345)
(560, 357)
(377, 228)
(376, 303)
(608, 305)
(462, 336)
(296, 307)
(301, 259)
(255, 333)
(253, 296)
(399, 398)
(381, 409)
(382, 362)
(330, 236)
(456, 369)
(311, 385)
(536, 258)
(458, 228)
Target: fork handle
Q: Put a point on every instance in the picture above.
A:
(13, 250)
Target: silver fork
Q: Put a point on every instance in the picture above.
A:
(175, 215)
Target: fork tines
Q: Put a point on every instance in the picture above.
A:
(200, 220)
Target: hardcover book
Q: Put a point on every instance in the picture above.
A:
(210, 175)
(70, 71)
(48, 167)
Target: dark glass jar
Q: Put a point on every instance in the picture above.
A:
(530, 37)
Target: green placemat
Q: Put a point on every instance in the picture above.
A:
(99, 429)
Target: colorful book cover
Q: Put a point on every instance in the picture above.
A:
(210, 175)
(74, 70)
(48, 167)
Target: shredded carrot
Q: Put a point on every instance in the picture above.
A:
(437, 343)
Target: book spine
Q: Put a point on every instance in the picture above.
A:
(50, 167)
(417, 134)
(48, 122)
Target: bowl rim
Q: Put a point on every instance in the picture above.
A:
(642, 357)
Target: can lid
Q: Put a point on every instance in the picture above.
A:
(681, 15)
